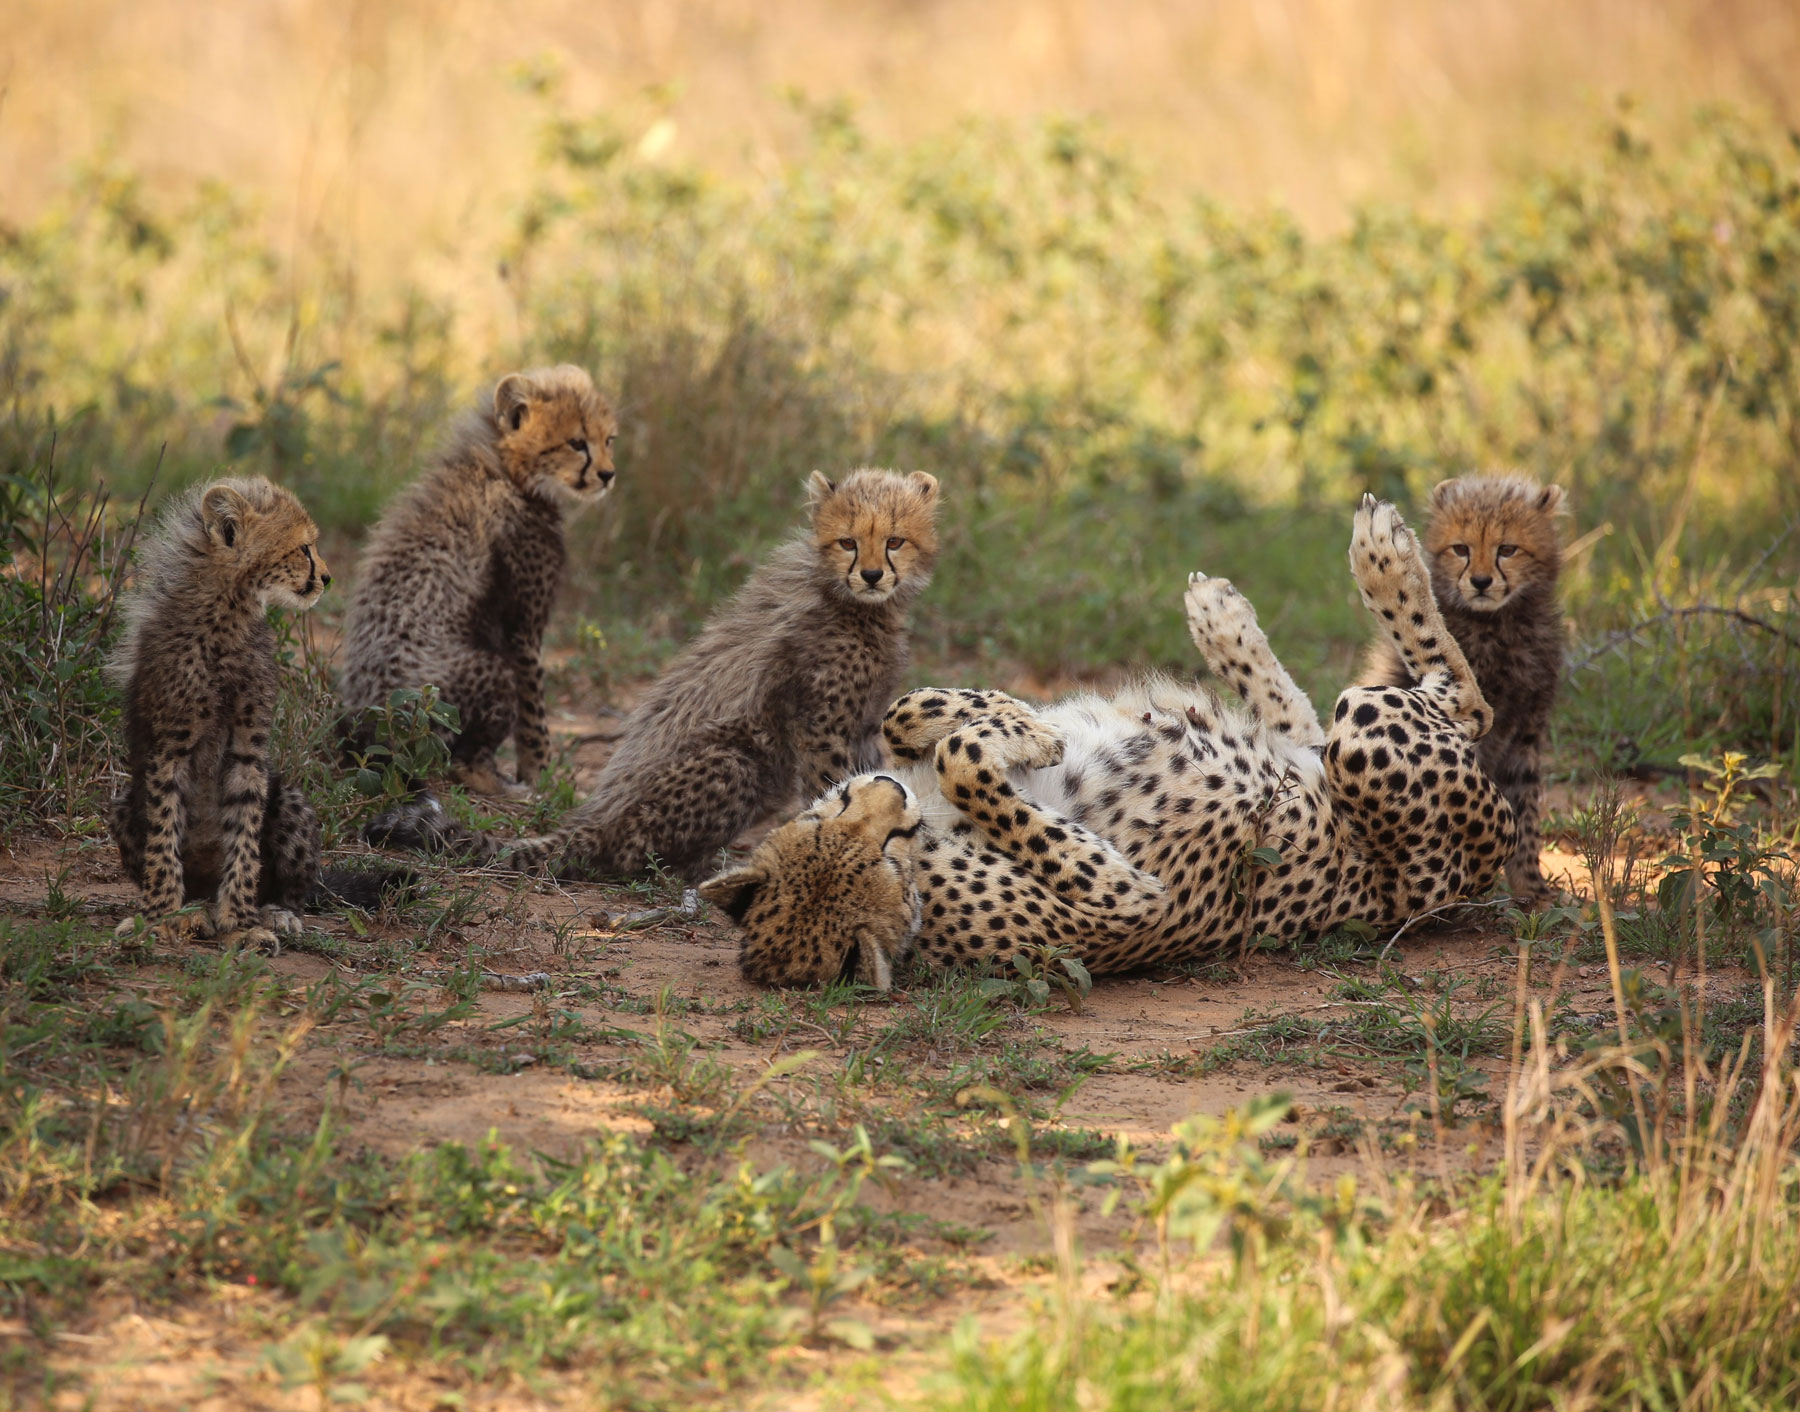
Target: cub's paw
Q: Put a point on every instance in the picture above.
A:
(282, 922)
(256, 938)
(1219, 617)
(920, 719)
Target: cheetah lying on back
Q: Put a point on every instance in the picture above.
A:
(1137, 829)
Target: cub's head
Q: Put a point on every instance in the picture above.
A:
(554, 434)
(1492, 538)
(829, 894)
(875, 531)
(260, 535)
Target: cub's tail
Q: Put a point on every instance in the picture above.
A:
(422, 823)
(369, 888)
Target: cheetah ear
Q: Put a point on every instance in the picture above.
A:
(819, 489)
(222, 512)
(733, 892)
(512, 399)
(925, 484)
(1440, 493)
(1550, 499)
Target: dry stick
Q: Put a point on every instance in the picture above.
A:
(1436, 911)
(1608, 930)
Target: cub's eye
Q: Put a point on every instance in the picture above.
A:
(577, 444)
(609, 441)
(1461, 551)
(1506, 551)
(894, 541)
(846, 544)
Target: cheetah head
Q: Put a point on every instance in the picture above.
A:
(555, 434)
(829, 894)
(1491, 537)
(875, 532)
(260, 534)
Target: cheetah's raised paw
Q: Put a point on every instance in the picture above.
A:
(1218, 615)
(1385, 557)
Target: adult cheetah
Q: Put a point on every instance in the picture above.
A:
(1149, 827)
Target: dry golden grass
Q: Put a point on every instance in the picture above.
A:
(395, 128)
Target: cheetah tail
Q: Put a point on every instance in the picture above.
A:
(365, 888)
(422, 823)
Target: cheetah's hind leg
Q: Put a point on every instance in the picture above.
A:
(1396, 587)
(1012, 732)
(1235, 649)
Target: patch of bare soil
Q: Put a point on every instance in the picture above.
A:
(1175, 1045)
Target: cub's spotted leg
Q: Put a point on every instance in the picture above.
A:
(1514, 769)
(920, 719)
(1224, 628)
(531, 726)
(155, 859)
(243, 803)
(1396, 587)
(1082, 869)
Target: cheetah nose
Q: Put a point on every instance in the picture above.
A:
(324, 580)
(606, 477)
(871, 576)
(1481, 581)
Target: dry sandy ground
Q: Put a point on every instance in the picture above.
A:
(207, 1356)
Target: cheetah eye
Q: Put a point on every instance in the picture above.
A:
(577, 444)
(846, 544)
(1506, 551)
(895, 541)
(1461, 551)
(609, 441)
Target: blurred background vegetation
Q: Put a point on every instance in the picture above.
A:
(1150, 286)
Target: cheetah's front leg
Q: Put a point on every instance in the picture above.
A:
(1231, 641)
(920, 719)
(1086, 872)
(165, 811)
(1396, 587)
(244, 799)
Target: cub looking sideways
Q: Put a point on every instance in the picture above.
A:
(457, 581)
(1495, 556)
(202, 818)
(779, 696)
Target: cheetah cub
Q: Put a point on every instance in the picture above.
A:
(780, 695)
(1495, 556)
(203, 818)
(458, 579)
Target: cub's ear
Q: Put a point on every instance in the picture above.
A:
(925, 484)
(1440, 493)
(512, 400)
(222, 512)
(819, 489)
(733, 892)
(1550, 499)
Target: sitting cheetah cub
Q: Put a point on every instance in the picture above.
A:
(458, 579)
(202, 818)
(1495, 556)
(779, 696)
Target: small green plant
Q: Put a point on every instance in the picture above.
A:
(406, 742)
(1039, 971)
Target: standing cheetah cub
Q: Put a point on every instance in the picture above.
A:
(458, 579)
(778, 697)
(1495, 555)
(1152, 826)
(202, 818)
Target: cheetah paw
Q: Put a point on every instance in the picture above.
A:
(1218, 615)
(282, 922)
(1384, 555)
